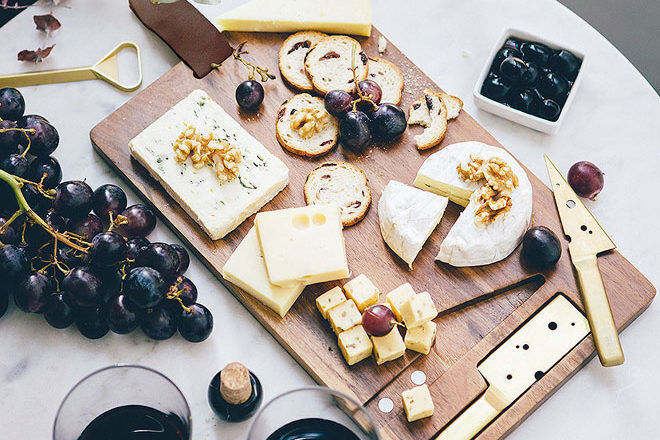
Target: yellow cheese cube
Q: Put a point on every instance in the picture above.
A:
(398, 297)
(418, 403)
(355, 345)
(418, 310)
(246, 269)
(344, 316)
(388, 347)
(330, 299)
(421, 338)
(361, 290)
(302, 245)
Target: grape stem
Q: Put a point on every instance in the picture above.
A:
(361, 96)
(25, 131)
(252, 69)
(174, 293)
(116, 222)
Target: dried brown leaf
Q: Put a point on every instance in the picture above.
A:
(35, 56)
(47, 23)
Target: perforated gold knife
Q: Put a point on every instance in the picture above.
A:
(587, 239)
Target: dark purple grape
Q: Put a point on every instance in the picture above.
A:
(370, 89)
(549, 109)
(12, 233)
(354, 131)
(553, 86)
(44, 140)
(388, 122)
(58, 312)
(8, 139)
(111, 280)
(249, 95)
(187, 293)
(524, 100)
(159, 323)
(37, 201)
(159, 256)
(378, 320)
(84, 286)
(195, 325)
(73, 199)
(540, 248)
(503, 53)
(71, 257)
(4, 299)
(513, 43)
(120, 316)
(144, 287)
(32, 292)
(184, 258)
(530, 74)
(13, 262)
(536, 53)
(91, 323)
(108, 249)
(108, 199)
(87, 226)
(513, 69)
(338, 102)
(15, 164)
(134, 246)
(586, 179)
(36, 235)
(12, 104)
(141, 221)
(46, 168)
(495, 88)
(565, 63)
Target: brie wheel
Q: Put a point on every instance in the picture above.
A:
(469, 243)
(407, 217)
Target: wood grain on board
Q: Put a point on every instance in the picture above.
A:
(466, 332)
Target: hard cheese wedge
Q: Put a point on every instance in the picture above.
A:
(218, 207)
(336, 16)
(302, 245)
(246, 269)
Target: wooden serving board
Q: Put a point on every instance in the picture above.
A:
(487, 302)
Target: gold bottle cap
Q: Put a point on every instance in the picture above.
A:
(235, 384)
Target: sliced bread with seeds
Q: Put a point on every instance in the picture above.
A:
(328, 64)
(389, 78)
(305, 127)
(341, 184)
(292, 58)
(436, 124)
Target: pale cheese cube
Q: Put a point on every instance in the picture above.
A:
(344, 316)
(361, 290)
(418, 310)
(417, 403)
(355, 344)
(421, 338)
(329, 299)
(302, 245)
(388, 347)
(246, 269)
(397, 297)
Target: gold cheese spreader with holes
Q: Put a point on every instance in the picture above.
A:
(518, 362)
(106, 69)
(587, 239)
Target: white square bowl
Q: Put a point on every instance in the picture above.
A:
(512, 114)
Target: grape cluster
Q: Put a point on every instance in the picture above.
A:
(78, 255)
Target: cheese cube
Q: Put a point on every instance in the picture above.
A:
(302, 245)
(246, 269)
(355, 345)
(398, 297)
(388, 347)
(361, 290)
(344, 316)
(421, 338)
(418, 310)
(418, 403)
(330, 299)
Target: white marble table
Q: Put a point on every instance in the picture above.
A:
(614, 122)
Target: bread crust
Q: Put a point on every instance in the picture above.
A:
(284, 56)
(319, 74)
(438, 124)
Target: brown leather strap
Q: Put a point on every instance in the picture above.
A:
(190, 35)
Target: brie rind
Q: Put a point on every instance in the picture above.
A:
(469, 243)
(407, 217)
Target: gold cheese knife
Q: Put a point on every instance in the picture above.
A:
(518, 362)
(586, 240)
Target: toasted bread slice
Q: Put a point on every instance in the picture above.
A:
(436, 124)
(328, 64)
(292, 58)
(453, 104)
(389, 78)
(418, 113)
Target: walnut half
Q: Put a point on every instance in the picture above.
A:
(309, 121)
(205, 150)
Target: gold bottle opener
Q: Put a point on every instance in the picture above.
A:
(105, 69)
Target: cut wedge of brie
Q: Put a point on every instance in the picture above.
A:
(471, 243)
(407, 218)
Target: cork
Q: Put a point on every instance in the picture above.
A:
(235, 384)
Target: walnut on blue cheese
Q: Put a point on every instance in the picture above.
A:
(361, 290)
(254, 174)
(418, 310)
(330, 299)
(418, 403)
(344, 316)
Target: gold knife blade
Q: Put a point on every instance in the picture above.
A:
(586, 240)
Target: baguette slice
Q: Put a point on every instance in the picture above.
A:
(328, 64)
(389, 78)
(436, 128)
(453, 104)
(292, 58)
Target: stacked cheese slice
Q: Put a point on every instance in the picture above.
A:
(287, 250)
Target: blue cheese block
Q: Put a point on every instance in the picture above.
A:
(217, 206)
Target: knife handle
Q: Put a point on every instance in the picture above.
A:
(599, 312)
(475, 418)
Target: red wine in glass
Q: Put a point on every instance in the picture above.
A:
(136, 422)
(313, 429)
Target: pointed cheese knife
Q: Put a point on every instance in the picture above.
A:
(518, 362)
(586, 240)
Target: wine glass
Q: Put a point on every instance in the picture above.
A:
(313, 411)
(116, 386)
